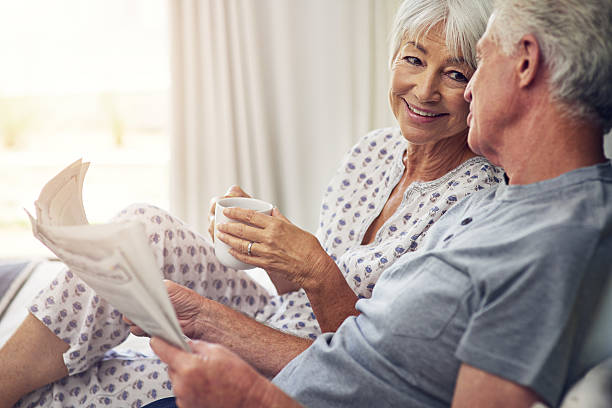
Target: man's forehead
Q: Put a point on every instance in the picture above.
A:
(485, 36)
(479, 48)
(482, 43)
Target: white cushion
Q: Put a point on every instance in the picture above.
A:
(594, 390)
(598, 343)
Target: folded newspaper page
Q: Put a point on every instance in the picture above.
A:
(114, 259)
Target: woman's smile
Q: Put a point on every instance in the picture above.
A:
(421, 115)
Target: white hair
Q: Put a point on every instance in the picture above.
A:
(575, 38)
(464, 22)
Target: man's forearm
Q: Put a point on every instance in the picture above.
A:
(265, 348)
(267, 395)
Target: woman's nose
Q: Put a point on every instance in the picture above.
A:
(427, 86)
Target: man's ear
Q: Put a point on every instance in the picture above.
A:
(529, 59)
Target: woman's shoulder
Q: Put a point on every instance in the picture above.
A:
(480, 164)
(383, 135)
(476, 174)
(377, 139)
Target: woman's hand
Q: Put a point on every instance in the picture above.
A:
(278, 246)
(212, 376)
(233, 191)
(283, 249)
(189, 307)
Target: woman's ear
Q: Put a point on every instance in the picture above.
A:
(529, 58)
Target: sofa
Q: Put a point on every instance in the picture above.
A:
(21, 279)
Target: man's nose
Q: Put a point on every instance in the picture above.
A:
(467, 94)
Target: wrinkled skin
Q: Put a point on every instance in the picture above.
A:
(212, 376)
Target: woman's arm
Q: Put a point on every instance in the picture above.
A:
(282, 284)
(331, 298)
(283, 249)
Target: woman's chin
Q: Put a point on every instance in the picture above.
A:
(418, 135)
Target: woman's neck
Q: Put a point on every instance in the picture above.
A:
(433, 160)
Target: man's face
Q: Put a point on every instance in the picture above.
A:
(490, 94)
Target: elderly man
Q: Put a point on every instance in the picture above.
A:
(492, 311)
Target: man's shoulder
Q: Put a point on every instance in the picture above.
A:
(544, 219)
(580, 199)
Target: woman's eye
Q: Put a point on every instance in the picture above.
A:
(412, 60)
(457, 76)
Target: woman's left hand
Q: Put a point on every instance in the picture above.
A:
(278, 245)
(285, 250)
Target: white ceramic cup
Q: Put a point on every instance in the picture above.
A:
(221, 248)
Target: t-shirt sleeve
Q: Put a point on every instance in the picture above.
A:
(523, 323)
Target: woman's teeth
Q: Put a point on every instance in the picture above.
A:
(421, 113)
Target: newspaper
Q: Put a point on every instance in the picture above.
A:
(114, 259)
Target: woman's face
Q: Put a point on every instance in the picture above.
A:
(427, 85)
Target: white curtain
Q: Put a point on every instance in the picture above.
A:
(270, 94)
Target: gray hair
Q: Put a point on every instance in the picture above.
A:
(464, 21)
(575, 38)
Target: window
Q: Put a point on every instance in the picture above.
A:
(82, 79)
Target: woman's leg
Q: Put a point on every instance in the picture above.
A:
(40, 360)
(188, 258)
(72, 312)
(125, 379)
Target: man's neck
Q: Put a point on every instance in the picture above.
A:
(548, 143)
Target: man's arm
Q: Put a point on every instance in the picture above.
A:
(212, 376)
(477, 388)
(265, 348)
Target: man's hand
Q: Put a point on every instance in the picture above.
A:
(213, 376)
(267, 349)
(188, 306)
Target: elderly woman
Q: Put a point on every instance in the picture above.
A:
(391, 187)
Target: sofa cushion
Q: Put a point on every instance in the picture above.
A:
(594, 390)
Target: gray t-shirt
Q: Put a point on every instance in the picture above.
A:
(505, 281)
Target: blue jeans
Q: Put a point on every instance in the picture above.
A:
(162, 403)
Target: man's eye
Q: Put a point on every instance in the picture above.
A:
(457, 76)
(413, 60)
